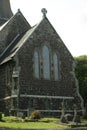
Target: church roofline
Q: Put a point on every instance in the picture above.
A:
(25, 37)
(46, 18)
(16, 14)
(14, 46)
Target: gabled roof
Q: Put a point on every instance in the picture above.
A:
(14, 26)
(20, 39)
(13, 18)
(15, 45)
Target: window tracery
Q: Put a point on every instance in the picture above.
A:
(44, 66)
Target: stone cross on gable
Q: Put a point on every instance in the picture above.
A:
(44, 11)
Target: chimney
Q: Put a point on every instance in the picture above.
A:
(5, 11)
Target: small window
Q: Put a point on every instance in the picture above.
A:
(36, 64)
(15, 83)
(8, 75)
(46, 62)
(55, 61)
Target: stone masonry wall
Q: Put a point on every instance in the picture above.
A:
(65, 86)
(6, 71)
(2, 87)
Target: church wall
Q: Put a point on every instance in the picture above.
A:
(43, 66)
(65, 85)
(65, 64)
(6, 71)
(2, 86)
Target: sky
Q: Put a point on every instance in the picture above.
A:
(68, 17)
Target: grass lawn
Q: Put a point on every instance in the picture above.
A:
(15, 122)
(53, 123)
(27, 125)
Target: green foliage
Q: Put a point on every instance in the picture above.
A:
(35, 114)
(49, 119)
(31, 125)
(81, 73)
(12, 119)
(42, 124)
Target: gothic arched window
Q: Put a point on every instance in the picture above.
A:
(36, 64)
(55, 61)
(46, 62)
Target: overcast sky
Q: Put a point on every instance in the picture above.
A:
(68, 17)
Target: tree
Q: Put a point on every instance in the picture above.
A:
(81, 74)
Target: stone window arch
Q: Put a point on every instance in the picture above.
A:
(46, 62)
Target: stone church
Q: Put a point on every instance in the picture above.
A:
(36, 68)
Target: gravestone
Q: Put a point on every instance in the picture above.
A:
(63, 119)
(20, 114)
(76, 118)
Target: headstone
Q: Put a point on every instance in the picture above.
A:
(20, 114)
(69, 117)
(6, 112)
(64, 119)
(76, 118)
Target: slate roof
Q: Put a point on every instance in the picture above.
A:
(12, 19)
(18, 40)
(15, 45)
(1, 27)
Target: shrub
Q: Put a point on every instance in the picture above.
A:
(35, 114)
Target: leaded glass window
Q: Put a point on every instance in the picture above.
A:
(36, 64)
(55, 61)
(46, 62)
(46, 65)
